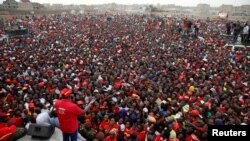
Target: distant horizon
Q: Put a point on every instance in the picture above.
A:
(185, 3)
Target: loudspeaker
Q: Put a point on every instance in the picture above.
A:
(41, 131)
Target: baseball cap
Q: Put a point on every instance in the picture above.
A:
(79, 102)
(66, 92)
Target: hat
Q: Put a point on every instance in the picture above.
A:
(42, 100)
(41, 84)
(195, 112)
(66, 92)
(186, 97)
(7, 80)
(10, 110)
(122, 127)
(180, 97)
(145, 110)
(79, 102)
(176, 126)
(24, 88)
(189, 92)
(164, 101)
(114, 99)
(185, 108)
(172, 134)
(31, 105)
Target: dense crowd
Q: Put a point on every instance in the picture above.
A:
(152, 78)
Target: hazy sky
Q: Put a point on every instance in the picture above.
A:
(177, 2)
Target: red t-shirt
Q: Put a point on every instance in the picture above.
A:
(67, 113)
(16, 121)
(6, 132)
(189, 138)
(108, 138)
(127, 132)
(2, 125)
(141, 136)
(158, 138)
(111, 127)
(103, 124)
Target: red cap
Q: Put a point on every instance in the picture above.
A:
(31, 105)
(195, 112)
(189, 93)
(186, 97)
(41, 84)
(79, 102)
(116, 110)
(176, 126)
(14, 81)
(10, 110)
(50, 71)
(66, 92)
(8, 80)
(181, 97)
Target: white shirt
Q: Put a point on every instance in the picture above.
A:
(246, 29)
(43, 118)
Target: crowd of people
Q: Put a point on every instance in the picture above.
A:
(140, 77)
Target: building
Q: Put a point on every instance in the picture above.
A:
(56, 7)
(25, 6)
(226, 8)
(202, 11)
(240, 13)
(10, 4)
(37, 6)
(46, 5)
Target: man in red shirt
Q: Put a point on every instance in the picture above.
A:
(141, 133)
(104, 123)
(7, 132)
(111, 126)
(112, 136)
(68, 113)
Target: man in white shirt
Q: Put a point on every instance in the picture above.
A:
(44, 118)
(245, 34)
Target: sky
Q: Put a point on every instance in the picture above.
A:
(177, 2)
